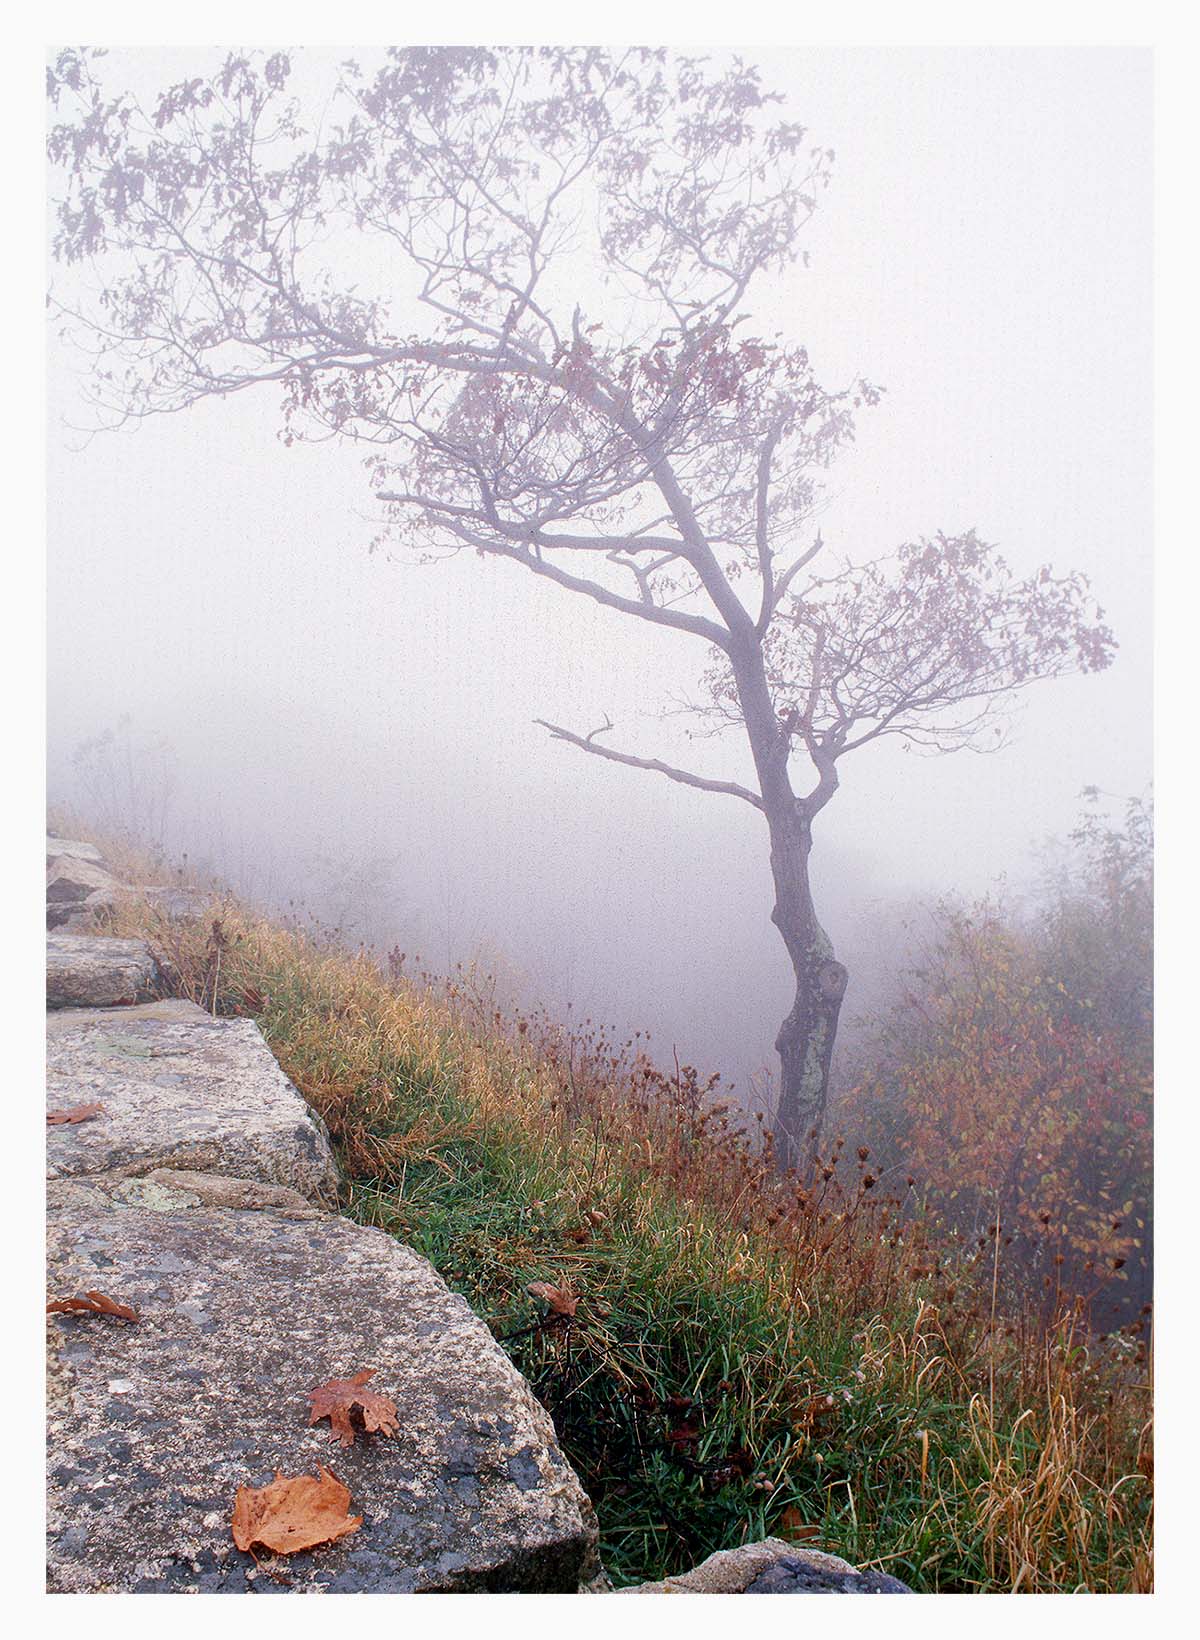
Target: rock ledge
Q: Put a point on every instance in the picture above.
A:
(91, 971)
(179, 1089)
(153, 1426)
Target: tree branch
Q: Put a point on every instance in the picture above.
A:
(697, 625)
(771, 604)
(761, 522)
(685, 778)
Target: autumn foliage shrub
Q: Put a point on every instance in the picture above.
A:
(1013, 1080)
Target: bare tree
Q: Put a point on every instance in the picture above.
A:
(403, 265)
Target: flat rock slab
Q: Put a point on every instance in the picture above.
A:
(154, 1425)
(90, 971)
(179, 1089)
(772, 1566)
(57, 847)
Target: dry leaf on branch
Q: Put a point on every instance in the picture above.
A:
(560, 1299)
(92, 1304)
(294, 1512)
(340, 1398)
(77, 1113)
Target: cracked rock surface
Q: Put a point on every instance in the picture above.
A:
(58, 847)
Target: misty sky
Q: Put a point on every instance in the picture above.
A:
(985, 254)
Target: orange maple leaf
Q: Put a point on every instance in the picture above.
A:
(294, 1512)
(77, 1113)
(93, 1304)
(341, 1397)
(560, 1299)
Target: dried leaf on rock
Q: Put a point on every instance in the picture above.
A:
(340, 1398)
(77, 1113)
(92, 1304)
(294, 1512)
(560, 1299)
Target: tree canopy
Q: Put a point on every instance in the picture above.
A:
(524, 281)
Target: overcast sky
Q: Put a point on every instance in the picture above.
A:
(984, 253)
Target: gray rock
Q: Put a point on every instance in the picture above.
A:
(181, 904)
(88, 916)
(181, 1090)
(154, 1426)
(79, 894)
(88, 971)
(70, 880)
(774, 1567)
(57, 847)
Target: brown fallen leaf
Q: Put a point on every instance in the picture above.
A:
(792, 1525)
(340, 1398)
(737, 1464)
(815, 1412)
(294, 1512)
(77, 1113)
(92, 1304)
(560, 1299)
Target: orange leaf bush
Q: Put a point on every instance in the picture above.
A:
(1014, 1079)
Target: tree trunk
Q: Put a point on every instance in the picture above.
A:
(806, 1037)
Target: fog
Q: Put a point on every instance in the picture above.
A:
(355, 730)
